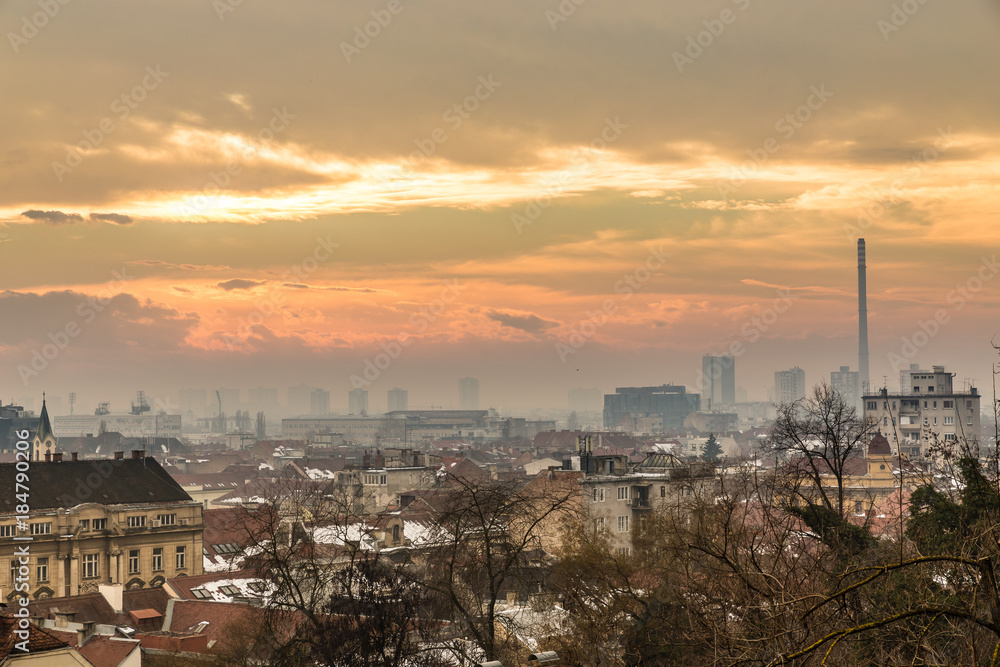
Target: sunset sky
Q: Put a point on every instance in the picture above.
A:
(242, 193)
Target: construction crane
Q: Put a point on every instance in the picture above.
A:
(222, 424)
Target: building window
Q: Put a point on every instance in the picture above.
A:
(622, 493)
(136, 521)
(949, 421)
(13, 571)
(968, 421)
(935, 421)
(885, 421)
(925, 405)
(180, 558)
(872, 405)
(601, 523)
(100, 524)
(663, 492)
(623, 524)
(949, 437)
(167, 519)
(84, 525)
(8, 531)
(934, 406)
(91, 567)
(602, 495)
(968, 404)
(200, 593)
(133, 561)
(158, 559)
(42, 569)
(41, 528)
(947, 404)
(857, 506)
(624, 551)
(595, 494)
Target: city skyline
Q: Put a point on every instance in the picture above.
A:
(189, 221)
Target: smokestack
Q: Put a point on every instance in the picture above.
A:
(862, 319)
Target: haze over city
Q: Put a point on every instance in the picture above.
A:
(236, 195)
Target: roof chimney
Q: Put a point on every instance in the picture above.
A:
(57, 457)
(76, 457)
(48, 457)
(119, 456)
(138, 453)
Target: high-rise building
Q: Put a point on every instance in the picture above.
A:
(398, 399)
(671, 404)
(194, 401)
(718, 381)
(263, 398)
(925, 410)
(789, 385)
(230, 401)
(847, 383)
(299, 399)
(468, 393)
(357, 402)
(319, 402)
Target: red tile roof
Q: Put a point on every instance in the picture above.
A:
(39, 639)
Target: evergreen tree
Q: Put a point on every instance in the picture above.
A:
(712, 449)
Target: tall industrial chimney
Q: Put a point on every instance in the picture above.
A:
(862, 319)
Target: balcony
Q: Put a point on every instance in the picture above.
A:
(641, 504)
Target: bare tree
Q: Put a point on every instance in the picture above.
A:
(819, 436)
(490, 545)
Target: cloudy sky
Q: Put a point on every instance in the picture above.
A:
(540, 194)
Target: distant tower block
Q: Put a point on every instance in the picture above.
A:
(862, 319)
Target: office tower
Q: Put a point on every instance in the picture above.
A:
(319, 402)
(789, 385)
(357, 402)
(718, 381)
(397, 399)
(468, 393)
(263, 398)
(846, 383)
(194, 401)
(299, 399)
(670, 403)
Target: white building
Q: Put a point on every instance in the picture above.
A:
(927, 408)
(146, 425)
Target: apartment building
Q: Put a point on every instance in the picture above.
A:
(95, 522)
(927, 408)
